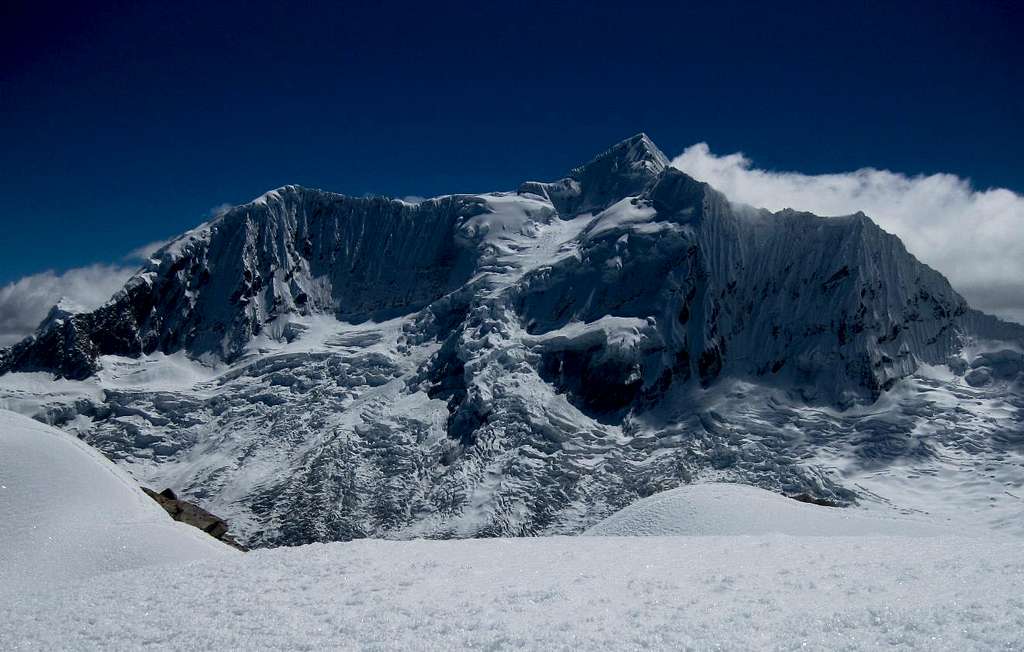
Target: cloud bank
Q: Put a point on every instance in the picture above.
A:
(974, 237)
(25, 302)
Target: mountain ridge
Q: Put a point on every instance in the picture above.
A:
(633, 159)
(525, 362)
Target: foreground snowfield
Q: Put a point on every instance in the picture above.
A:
(88, 562)
(745, 592)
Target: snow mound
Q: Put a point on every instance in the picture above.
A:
(722, 509)
(68, 513)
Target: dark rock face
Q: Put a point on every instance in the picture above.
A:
(596, 384)
(192, 514)
(294, 251)
(814, 500)
(623, 170)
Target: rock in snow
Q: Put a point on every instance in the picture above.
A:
(315, 367)
(186, 512)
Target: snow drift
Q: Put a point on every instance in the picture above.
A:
(91, 563)
(68, 514)
(722, 509)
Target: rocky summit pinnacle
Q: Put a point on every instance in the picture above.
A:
(313, 367)
(636, 155)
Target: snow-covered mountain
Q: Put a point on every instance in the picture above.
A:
(315, 367)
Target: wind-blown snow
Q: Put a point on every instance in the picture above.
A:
(68, 513)
(753, 592)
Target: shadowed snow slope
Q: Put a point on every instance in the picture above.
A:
(731, 509)
(68, 513)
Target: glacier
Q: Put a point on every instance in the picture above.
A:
(315, 367)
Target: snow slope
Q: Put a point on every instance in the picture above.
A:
(92, 564)
(68, 513)
(720, 509)
(699, 593)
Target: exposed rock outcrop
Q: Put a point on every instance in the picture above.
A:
(192, 514)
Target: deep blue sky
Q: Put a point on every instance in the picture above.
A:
(125, 124)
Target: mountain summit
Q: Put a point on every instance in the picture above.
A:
(315, 367)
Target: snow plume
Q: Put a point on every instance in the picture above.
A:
(144, 252)
(25, 302)
(220, 209)
(974, 237)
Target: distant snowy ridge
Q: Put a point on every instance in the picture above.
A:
(831, 297)
(291, 252)
(315, 367)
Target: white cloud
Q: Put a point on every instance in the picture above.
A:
(25, 302)
(974, 237)
(220, 209)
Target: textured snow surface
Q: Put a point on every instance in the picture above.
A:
(729, 509)
(67, 513)
(749, 592)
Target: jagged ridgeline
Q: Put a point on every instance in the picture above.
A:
(512, 363)
(291, 252)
